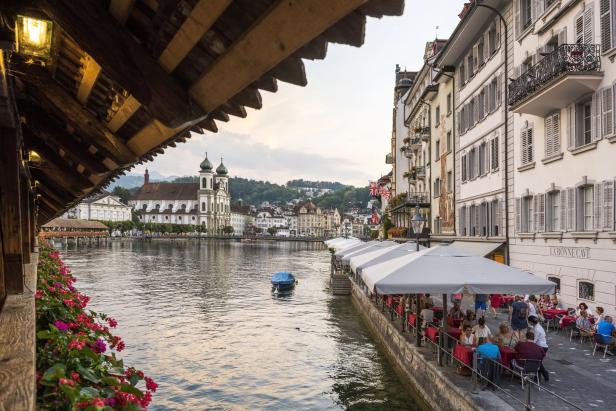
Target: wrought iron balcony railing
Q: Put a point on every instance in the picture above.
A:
(418, 198)
(566, 59)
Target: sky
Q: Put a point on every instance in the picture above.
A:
(338, 127)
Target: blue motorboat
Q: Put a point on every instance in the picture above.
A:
(283, 281)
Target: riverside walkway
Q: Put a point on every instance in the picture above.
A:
(583, 381)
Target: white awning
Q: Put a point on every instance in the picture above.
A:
(480, 248)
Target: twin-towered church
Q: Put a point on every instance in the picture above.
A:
(206, 203)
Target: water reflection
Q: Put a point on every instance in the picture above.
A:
(201, 318)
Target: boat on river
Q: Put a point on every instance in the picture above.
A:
(283, 281)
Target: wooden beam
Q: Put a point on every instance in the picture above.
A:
(10, 211)
(285, 27)
(291, 70)
(53, 98)
(120, 10)
(25, 218)
(201, 18)
(124, 113)
(91, 70)
(123, 59)
(42, 126)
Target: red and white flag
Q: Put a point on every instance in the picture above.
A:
(374, 190)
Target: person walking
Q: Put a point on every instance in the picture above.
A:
(519, 313)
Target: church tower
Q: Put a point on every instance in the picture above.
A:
(206, 193)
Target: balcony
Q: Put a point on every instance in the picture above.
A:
(416, 143)
(418, 198)
(561, 77)
(408, 152)
(424, 134)
(420, 172)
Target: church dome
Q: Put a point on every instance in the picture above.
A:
(221, 170)
(206, 165)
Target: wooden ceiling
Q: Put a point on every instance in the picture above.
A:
(130, 78)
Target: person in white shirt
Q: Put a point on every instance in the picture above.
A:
(540, 337)
(481, 330)
(427, 315)
(532, 306)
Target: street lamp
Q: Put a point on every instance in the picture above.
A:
(34, 38)
(417, 222)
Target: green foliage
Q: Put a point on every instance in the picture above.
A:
(344, 199)
(186, 179)
(123, 193)
(386, 225)
(256, 192)
(272, 231)
(76, 361)
(227, 229)
(316, 184)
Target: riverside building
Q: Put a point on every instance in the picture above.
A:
(102, 206)
(205, 203)
(562, 99)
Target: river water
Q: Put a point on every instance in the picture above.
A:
(202, 321)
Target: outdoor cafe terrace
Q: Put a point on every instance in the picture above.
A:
(579, 378)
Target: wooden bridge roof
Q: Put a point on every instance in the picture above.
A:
(130, 78)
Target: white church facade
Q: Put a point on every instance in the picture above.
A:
(205, 203)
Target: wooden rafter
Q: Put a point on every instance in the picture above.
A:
(120, 10)
(91, 70)
(285, 28)
(123, 59)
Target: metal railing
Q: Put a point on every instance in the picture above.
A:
(567, 58)
(418, 197)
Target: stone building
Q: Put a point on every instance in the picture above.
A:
(102, 206)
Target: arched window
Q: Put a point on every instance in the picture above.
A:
(556, 282)
(203, 183)
(203, 206)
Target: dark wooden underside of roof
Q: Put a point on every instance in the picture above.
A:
(130, 78)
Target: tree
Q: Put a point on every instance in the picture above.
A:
(272, 231)
(227, 229)
(123, 193)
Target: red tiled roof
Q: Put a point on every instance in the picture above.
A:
(167, 191)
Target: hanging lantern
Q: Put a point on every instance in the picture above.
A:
(33, 38)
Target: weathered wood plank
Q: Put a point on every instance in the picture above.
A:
(17, 349)
(10, 211)
(287, 26)
(124, 113)
(120, 10)
(91, 70)
(25, 218)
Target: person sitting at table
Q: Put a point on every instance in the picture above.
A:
(583, 308)
(488, 354)
(599, 315)
(544, 302)
(505, 337)
(467, 337)
(604, 330)
(455, 311)
(469, 319)
(428, 300)
(529, 350)
(583, 323)
(554, 303)
(426, 315)
(481, 330)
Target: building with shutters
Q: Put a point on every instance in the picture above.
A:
(562, 97)
(475, 54)
(205, 203)
(102, 206)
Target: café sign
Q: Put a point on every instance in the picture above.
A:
(570, 252)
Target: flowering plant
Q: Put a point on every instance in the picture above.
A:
(396, 232)
(77, 367)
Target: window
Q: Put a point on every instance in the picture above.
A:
(552, 209)
(437, 115)
(464, 167)
(483, 219)
(481, 102)
(166, 217)
(556, 282)
(495, 219)
(449, 105)
(203, 206)
(480, 49)
(494, 153)
(586, 290)
(437, 187)
(462, 221)
(470, 65)
(471, 113)
(462, 71)
(607, 112)
(482, 159)
(552, 135)
(449, 141)
(526, 14)
(449, 182)
(584, 26)
(526, 140)
(473, 221)
(606, 8)
(584, 123)
(586, 197)
(203, 183)
(437, 150)
(524, 214)
(472, 161)
(492, 39)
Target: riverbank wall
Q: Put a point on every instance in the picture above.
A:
(429, 380)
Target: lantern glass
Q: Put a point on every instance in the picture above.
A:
(34, 37)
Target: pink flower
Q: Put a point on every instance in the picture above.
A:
(38, 294)
(65, 381)
(98, 402)
(150, 384)
(99, 346)
(76, 345)
(112, 322)
(60, 325)
(146, 399)
(120, 346)
(75, 376)
(110, 401)
(68, 302)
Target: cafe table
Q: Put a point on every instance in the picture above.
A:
(463, 354)
(432, 334)
(507, 354)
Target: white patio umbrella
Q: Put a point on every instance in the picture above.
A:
(345, 244)
(380, 255)
(354, 247)
(447, 270)
(337, 240)
(377, 245)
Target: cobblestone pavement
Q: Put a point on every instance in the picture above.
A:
(575, 374)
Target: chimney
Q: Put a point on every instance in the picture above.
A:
(146, 177)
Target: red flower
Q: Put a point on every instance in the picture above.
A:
(112, 322)
(150, 384)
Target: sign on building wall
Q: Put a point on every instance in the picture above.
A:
(570, 252)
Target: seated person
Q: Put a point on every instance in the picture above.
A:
(467, 337)
(599, 314)
(428, 300)
(427, 315)
(554, 303)
(455, 311)
(469, 319)
(529, 350)
(481, 330)
(486, 352)
(583, 308)
(506, 337)
(582, 322)
(604, 330)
